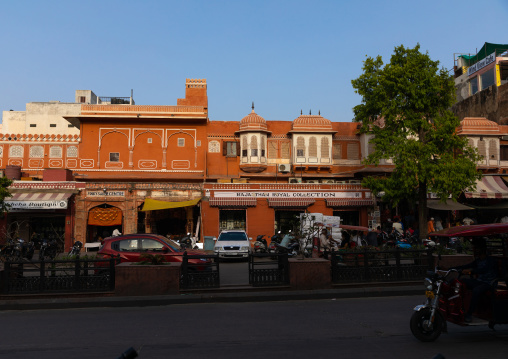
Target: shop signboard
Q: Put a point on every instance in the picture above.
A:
(30, 205)
(293, 194)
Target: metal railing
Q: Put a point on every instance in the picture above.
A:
(268, 269)
(201, 272)
(380, 265)
(59, 276)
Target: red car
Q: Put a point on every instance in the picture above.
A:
(130, 247)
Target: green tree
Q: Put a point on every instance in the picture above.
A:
(406, 107)
(4, 193)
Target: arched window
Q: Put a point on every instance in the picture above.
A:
(300, 147)
(325, 148)
(36, 151)
(263, 146)
(312, 147)
(482, 149)
(245, 146)
(16, 151)
(493, 151)
(72, 151)
(253, 146)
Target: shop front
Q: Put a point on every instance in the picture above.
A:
(41, 210)
(265, 209)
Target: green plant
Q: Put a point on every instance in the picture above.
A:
(152, 259)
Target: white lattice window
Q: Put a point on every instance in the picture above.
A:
(72, 151)
(482, 149)
(300, 147)
(313, 147)
(325, 148)
(36, 151)
(55, 152)
(16, 151)
(1, 151)
(253, 146)
(181, 142)
(493, 150)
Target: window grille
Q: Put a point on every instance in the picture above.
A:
(325, 148)
(72, 151)
(36, 151)
(55, 152)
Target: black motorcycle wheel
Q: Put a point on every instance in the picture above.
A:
(421, 330)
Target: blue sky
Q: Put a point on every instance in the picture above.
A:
(286, 56)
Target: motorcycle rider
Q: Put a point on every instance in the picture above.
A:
(485, 267)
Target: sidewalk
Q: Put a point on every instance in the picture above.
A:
(223, 295)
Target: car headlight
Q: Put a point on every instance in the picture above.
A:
(244, 248)
(428, 284)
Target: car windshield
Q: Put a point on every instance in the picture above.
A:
(233, 236)
(173, 245)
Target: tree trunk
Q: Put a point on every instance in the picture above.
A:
(422, 210)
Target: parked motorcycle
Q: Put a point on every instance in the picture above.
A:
(288, 245)
(48, 251)
(188, 242)
(260, 245)
(76, 248)
(276, 238)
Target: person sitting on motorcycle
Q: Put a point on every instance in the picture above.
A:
(485, 268)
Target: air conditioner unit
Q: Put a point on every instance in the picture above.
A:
(341, 182)
(295, 180)
(284, 168)
(355, 181)
(311, 181)
(327, 181)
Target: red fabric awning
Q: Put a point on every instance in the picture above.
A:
(232, 202)
(348, 202)
(290, 202)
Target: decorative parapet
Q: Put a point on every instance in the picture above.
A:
(141, 109)
(39, 138)
(38, 185)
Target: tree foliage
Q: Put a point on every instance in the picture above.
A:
(406, 107)
(4, 193)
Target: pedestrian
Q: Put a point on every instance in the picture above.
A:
(430, 225)
(372, 237)
(397, 224)
(438, 225)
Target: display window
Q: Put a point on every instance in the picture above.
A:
(232, 219)
(286, 220)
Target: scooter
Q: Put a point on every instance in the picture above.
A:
(76, 248)
(288, 245)
(276, 238)
(260, 245)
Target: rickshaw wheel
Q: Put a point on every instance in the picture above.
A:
(420, 328)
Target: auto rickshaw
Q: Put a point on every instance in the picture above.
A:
(447, 297)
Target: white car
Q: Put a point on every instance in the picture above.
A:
(232, 244)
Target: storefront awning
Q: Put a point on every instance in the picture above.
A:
(233, 202)
(154, 205)
(447, 206)
(348, 202)
(38, 200)
(290, 202)
(489, 187)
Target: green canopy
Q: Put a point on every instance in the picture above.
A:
(485, 51)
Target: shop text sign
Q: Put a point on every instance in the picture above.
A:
(28, 205)
(481, 64)
(296, 194)
(105, 193)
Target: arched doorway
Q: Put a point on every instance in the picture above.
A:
(102, 221)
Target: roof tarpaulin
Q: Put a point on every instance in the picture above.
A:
(447, 206)
(486, 50)
(489, 187)
(153, 204)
